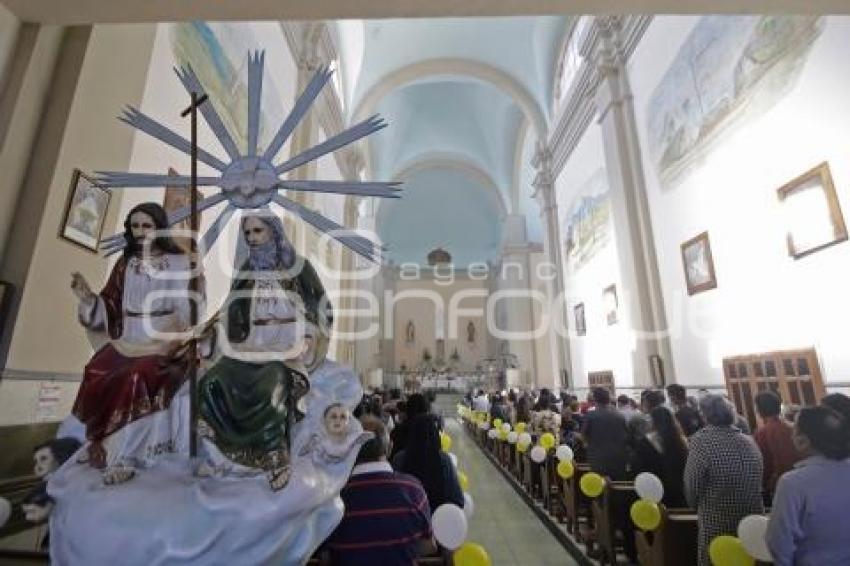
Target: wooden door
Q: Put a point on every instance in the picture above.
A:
(793, 374)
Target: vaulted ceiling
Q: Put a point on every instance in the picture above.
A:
(463, 98)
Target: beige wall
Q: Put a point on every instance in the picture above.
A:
(47, 337)
(9, 26)
(412, 304)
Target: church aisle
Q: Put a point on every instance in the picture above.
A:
(502, 523)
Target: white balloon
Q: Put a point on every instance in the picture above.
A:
(453, 458)
(506, 427)
(512, 437)
(450, 525)
(5, 510)
(492, 433)
(524, 438)
(563, 453)
(538, 454)
(485, 425)
(648, 486)
(468, 505)
(752, 530)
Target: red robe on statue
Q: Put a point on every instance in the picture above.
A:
(120, 387)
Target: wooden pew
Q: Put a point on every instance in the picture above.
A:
(576, 505)
(673, 543)
(606, 509)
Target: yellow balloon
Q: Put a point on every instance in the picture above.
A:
(520, 427)
(497, 423)
(592, 484)
(520, 447)
(471, 554)
(463, 480)
(645, 514)
(503, 435)
(566, 469)
(726, 550)
(445, 442)
(547, 440)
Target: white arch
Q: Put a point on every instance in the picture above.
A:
(453, 162)
(453, 66)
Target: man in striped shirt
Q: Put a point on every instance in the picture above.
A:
(387, 520)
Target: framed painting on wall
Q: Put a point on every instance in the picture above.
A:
(698, 264)
(581, 324)
(85, 212)
(612, 306)
(811, 211)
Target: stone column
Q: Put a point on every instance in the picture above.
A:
(515, 277)
(544, 193)
(630, 207)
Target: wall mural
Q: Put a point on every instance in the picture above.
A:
(729, 69)
(588, 227)
(218, 53)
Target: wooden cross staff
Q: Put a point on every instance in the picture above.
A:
(194, 282)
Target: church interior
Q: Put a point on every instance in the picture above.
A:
(526, 233)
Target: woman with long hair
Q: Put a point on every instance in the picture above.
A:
(663, 452)
(424, 459)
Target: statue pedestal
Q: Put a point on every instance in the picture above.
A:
(165, 515)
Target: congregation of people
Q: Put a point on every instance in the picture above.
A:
(400, 477)
(794, 467)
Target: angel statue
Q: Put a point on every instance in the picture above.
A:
(144, 308)
(248, 398)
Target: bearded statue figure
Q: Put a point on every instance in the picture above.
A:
(248, 399)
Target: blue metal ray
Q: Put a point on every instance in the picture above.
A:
(367, 189)
(302, 105)
(352, 134)
(120, 180)
(255, 91)
(177, 216)
(215, 229)
(358, 244)
(192, 84)
(140, 121)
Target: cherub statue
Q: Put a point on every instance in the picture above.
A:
(335, 441)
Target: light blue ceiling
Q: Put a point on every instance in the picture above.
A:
(473, 121)
(523, 47)
(476, 121)
(445, 208)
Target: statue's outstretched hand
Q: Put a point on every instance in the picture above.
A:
(81, 287)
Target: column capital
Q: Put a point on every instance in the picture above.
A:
(544, 181)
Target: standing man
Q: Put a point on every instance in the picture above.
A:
(387, 518)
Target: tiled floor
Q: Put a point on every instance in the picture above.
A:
(502, 523)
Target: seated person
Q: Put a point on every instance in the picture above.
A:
(387, 517)
(808, 522)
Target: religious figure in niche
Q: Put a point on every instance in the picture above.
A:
(470, 332)
(410, 333)
(144, 308)
(276, 321)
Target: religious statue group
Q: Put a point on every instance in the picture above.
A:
(259, 351)
(274, 434)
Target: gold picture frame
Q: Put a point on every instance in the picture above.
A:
(698, 264)
(813, 215)
(85, 212)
